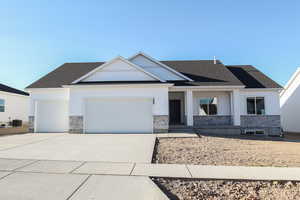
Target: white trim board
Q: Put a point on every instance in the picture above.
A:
(290, 82)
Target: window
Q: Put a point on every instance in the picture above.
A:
(255, 105)
(2, 105)
(254, 132)
(208, 106)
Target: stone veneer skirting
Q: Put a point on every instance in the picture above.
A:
(160, 123)
(31, 124)
(75, 124)
(212, 120)
(269, 123)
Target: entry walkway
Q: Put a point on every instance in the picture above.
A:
(152, 170)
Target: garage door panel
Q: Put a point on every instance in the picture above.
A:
(52, 116)
(118, 115)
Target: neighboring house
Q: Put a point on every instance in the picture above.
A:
(290, 104)
(14, 104)
(143, 95)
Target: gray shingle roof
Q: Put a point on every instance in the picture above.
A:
(64, 75)
(203, 72)
(6, 88)
(252, 77)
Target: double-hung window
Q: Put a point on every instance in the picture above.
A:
(256, 106)
(2, 105)
(208, 106)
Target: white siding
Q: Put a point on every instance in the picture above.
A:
(154, 68)
(46, 94)
(272, 106)
(118, 71)
(16, 107)
(290, 104)
(223, 99)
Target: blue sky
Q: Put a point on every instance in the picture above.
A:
(38, 36)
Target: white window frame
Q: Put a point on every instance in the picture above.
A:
(3, 106)
(255, 109)
(208, 106)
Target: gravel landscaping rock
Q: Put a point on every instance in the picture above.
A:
(208, 150)
(181, 189)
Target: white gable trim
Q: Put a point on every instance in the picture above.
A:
(161, 64)
(113, 60)
(290, 82)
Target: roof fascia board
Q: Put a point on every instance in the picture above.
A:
(261, 89)
(205, 87)
(118, 85)
(113, 60)
(13, 94)
(161, 64)
(44, 89)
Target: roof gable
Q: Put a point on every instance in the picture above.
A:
(158, 68)
(118, 69)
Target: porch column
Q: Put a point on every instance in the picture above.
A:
(189, 107)
(236, 107)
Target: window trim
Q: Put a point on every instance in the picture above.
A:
(255, 110)
(208, 104)
(3, 106)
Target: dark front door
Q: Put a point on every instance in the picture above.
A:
(174, 111)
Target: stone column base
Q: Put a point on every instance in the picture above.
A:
(76, 124)
(31, 124)
(160, 123)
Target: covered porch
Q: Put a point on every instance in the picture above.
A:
(204, 107)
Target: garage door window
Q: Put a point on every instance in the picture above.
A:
(2, 105)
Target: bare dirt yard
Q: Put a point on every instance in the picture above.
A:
(239, 151)
(180, 189)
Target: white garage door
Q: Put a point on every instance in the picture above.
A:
(121, 115)
(52, 116)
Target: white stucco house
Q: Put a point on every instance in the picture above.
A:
(143, 95)
(290, 104)
(14, 104)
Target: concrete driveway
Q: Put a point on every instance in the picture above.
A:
(83, 147)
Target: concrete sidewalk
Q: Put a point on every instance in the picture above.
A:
(152, 170)
(36, 186)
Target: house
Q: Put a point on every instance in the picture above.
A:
(143, 95)
(290, 103)
(14, 104)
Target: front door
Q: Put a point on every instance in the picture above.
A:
(174, 111)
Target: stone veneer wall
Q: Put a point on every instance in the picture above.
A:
(31, 124)
(160, 123)
(212, 120)
(75, 124)
(269, 123)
